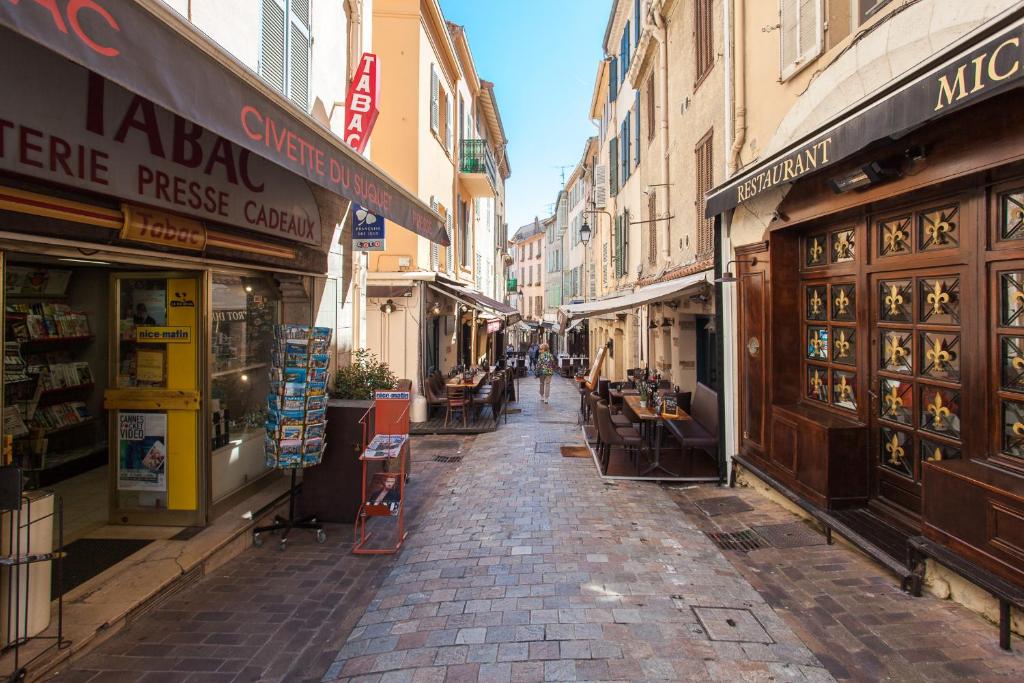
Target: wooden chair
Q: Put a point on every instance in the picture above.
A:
(627, 439)
(434, 391)
(457, 399)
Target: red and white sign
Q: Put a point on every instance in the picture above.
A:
(361, 104)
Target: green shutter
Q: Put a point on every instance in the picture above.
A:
(613, 78)
(617, 252)
(613, 166)
(636, 113)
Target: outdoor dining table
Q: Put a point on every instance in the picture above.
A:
(647, 416)
(474, 383)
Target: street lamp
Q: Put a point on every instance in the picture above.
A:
(585, 238)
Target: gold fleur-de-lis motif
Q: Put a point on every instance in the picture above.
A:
(895, 451)
(894, 237)
(937, 297)
(1018, 428)
(1018, 363)
(842, 302)
(895, 352)
(938, 355)
(938, 411)
(815, 250)
(816, 383)
(936, 455)
(843, 248)
(818, 346)
(894, 300)
(1018, 301)
(815, 303)
(842, 346)
(844, 391)
(892, 401)
(937, 231)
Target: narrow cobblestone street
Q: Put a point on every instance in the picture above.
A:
(522, 565)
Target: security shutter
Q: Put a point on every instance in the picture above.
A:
(435, 249)
(272, 60)
(435, 94)
(801, 34)
(613, 166)
(600, 186)
(450, 251)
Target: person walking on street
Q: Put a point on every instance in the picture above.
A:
(545, 365)
(532, 353)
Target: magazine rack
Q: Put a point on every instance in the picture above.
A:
(387, 442)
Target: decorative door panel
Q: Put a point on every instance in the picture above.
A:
(753, 310)
(1008, 341)
(916, 368)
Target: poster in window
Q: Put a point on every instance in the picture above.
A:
(142, 451)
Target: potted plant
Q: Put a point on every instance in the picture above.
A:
(644, 393)
(331, 491)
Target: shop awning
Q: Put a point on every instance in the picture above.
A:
(148, 49)
(975, 69)
(649, 294)
(477, 300)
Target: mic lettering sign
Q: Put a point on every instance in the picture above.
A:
(361, 103)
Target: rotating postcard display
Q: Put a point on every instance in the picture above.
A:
(297, 402)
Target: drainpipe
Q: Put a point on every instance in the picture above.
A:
(738, 71)
(661, 25)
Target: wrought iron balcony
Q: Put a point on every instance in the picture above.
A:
(478, 168)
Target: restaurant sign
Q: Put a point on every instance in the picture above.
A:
(987, 69)
(84, 131)
(153, 53)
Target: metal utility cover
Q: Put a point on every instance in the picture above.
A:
(723, 505)
(790, 535)
(735, 625)
(448, 458)
(742, 541)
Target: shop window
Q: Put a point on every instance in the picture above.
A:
(844, 389)
(897, 351)
(897, 451)
(842, 247)
(940, 356)
(1013, 428)
(897, 401)
(830, 343)
(817, 343)
(817, 383)
(843, 308)
(940, 411)
(939, 229)
(894, 236)
(1011, 295)
(816, 296)
(1012, 363)
(896, 301)
(1011, 219)
(940, 300)
(844, 345)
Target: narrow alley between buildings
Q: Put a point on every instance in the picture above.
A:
(524, 565)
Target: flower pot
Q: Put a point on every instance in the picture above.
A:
(643, 404)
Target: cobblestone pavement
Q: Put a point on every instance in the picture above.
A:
(522, 565)
(533, 569)
(266, 615)
(850, 611)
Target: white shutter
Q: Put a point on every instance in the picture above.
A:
(435, 95)
(448, 123)
(298, 65)
(450, 251)
(272, 50)
(435, 258)
(600, 186)
(801, 34)
(479, 270)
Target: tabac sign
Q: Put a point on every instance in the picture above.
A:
(361, 104)
(990, 67)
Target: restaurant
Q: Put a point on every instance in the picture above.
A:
(150, 241)
(878, 275)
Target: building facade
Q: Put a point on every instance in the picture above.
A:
(448, 147)
(527, 276)
(871, 345)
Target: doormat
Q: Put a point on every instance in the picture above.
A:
(88, 557)
(575, 452)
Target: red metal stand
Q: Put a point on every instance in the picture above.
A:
(391, 420)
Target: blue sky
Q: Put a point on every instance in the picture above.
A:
(542, 57)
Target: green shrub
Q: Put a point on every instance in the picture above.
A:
(365, 375)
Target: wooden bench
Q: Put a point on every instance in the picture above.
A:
(919, 548)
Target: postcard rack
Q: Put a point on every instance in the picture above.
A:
(386, 442)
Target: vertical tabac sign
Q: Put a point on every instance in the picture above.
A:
(361, 104)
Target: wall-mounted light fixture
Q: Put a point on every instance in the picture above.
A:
(388, 307)
(435, 309)
(727, 275)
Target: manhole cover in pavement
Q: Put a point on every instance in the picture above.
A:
(723, 505)
(736, 540)
(737, 625)
(448, 458)
(789, 535)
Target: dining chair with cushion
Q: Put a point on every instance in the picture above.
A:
(434, 391)
(701, 431)
(628, 439)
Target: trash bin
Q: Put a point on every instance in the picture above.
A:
(25, 588)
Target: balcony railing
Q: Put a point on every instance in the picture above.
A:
(476, 157)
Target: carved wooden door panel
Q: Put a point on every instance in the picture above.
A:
(753, 295)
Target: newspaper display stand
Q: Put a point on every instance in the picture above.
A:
(384, 494)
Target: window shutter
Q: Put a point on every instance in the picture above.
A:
(617, 251)
(272, 55)
(624, 135)
(636, 116)
(448, 123)
(613, 79)
(600, 186)
(704, 40)
(636, 21)
(298, 67)
(624, 52)
(652, 233)
(479, 269)
(801, 34)
(435, 94)
(625, 241)
(435, 249)
(705, 226)
(613, 166)
(651, 120)
(450, 251)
